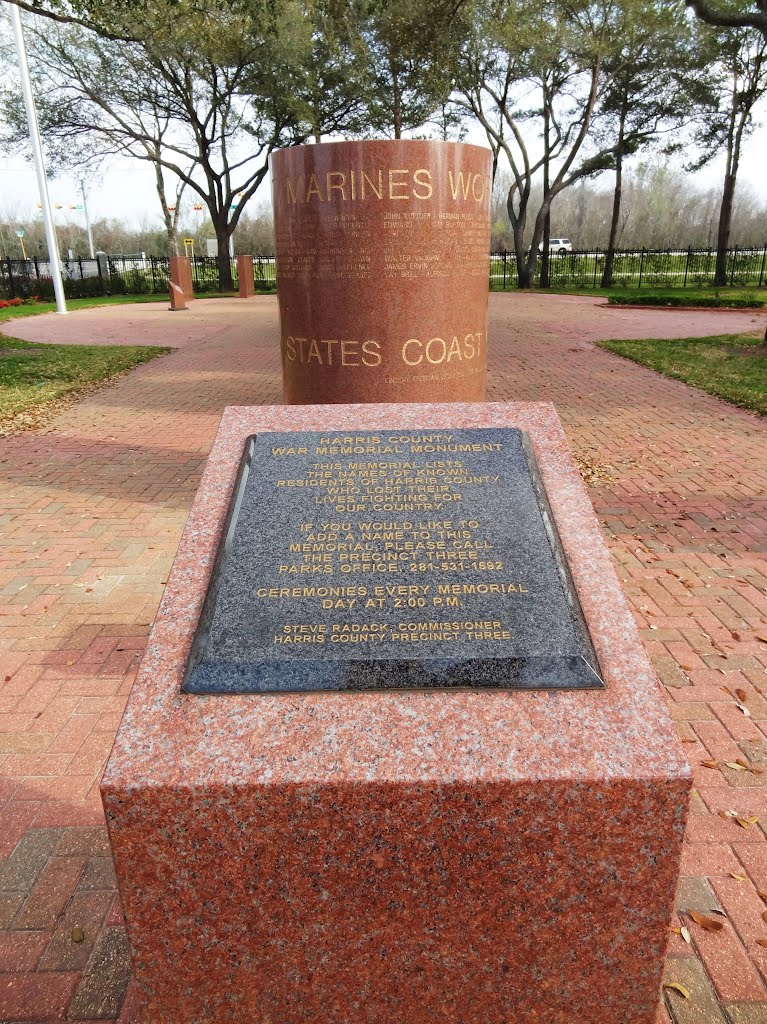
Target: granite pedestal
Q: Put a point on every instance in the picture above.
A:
(479, 856)
(181, 275)
(245, 278)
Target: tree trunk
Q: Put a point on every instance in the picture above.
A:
(738, 122)
(223, 234)
(545, 281)
(524, 276)
(723, 233)
(518, 221)
(397, 97)
(607, 273)
(168, 217)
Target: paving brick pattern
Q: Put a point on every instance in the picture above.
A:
(91, 511)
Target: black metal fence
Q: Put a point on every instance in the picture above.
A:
(632, 268)
(638, 268)
(119, 275)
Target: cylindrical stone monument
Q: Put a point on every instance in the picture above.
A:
(382, 270)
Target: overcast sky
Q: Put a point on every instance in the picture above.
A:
(125, 189)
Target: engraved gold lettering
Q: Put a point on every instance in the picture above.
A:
(314, 188)
(290, 348)
(331, 183)
(397, 184)
(461, 185)
(349, 353)
(418, 359)
(314, 352)
(454, 350)
(378, 191)
(329, 343)
(293, 196)
(432, 345)
(422, 178)
(353, 182)
(373, 350)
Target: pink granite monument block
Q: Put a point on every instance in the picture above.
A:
(246, 282)
(181, 275)
(177, 299)
(474, 856)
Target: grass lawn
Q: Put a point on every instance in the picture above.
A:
(751, 298)
(11, 312)
(34, 376)
(731, 366)
(704, 294)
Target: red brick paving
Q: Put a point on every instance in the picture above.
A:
(91, 511)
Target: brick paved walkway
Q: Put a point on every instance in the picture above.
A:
(91, 511)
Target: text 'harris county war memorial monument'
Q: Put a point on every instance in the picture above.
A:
(382, 264)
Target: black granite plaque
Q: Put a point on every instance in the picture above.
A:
(390, 560)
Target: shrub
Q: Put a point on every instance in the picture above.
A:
(706, 301)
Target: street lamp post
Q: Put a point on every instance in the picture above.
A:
(87, 220)
(37, 150)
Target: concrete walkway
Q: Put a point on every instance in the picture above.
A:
(91, 511)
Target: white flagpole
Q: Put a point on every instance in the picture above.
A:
(37, 150)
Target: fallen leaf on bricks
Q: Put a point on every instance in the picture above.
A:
(708, 924)
(761, 942)
(710, 764)
(737, 766)
(747, 822)
(77, 934)
(741, 694)
(684, 992)
(743, 708)
(737, 877)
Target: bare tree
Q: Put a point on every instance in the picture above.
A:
(545, 62)
(742, 82)
(210, 113)
(751, 14)
(659, 77)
